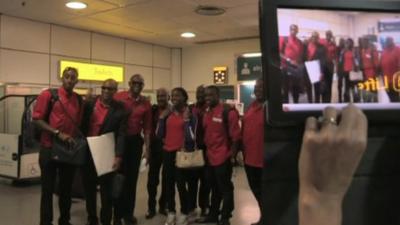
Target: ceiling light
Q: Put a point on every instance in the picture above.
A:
(249, 83)
(252, 55)
(188, 35)
(76, 5)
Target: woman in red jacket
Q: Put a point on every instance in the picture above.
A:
(177, 127)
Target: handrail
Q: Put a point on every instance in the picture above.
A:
(7, 96)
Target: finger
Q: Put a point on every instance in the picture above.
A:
(329, 120)
(350, 115)
(311, 125)
(361, 127)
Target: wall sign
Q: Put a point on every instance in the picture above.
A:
(248, 68)
(94, 72)
(221, 75)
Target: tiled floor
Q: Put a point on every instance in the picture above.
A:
(20, 205)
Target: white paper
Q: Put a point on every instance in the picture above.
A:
(102, 149)
(313, 70)
(383, 96)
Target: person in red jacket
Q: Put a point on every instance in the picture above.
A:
(139, 120)
(203, 196)
(369, 63)
(253, 142)
(221, 136)
(60, 119)
(348, 61)
(177, 128)
(292, 54)
(390, 65)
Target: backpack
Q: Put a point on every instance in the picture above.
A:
(225, 118)
(31, 132)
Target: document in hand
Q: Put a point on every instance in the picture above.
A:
(102, 149)
(313, 70)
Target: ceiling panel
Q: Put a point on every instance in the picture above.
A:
(153, 21)
(224, 3)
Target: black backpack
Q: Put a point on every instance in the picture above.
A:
(31, 132)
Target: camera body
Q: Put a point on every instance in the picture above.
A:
(374, 195)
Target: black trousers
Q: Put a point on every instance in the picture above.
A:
(222, 189)
(202, 192)
(254, 177)
(177, 176)
(153, 178)
(349, 87)
(90, 181)
(130, 169)
(49, 171)
(393, 94)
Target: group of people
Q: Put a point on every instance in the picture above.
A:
(163, 129)
(344, 59)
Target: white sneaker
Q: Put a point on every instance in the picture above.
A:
(192, 216)
(182, 220)
(170, 219)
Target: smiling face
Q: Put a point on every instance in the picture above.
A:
(136, 84)
(179, 98)
(108, 89)
(212, 96)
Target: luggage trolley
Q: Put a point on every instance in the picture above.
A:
(19, 149)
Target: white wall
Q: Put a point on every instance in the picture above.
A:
(368, 23)
(313, 20)
(30, 52)
(198, 61)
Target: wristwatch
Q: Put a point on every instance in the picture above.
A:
(56, 132)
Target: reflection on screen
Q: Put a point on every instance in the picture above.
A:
(337, 57)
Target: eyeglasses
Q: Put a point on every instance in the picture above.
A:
(108, 88)
(137, 83)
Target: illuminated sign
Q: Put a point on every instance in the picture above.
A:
(94, 72)
(221, 75)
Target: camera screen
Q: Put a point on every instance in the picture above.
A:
(331, 57)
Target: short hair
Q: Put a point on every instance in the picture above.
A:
(182, 91)
(162, 89)
(69, 68)
(201, 86)
(110, 80)
(213, 87)
(136, 75)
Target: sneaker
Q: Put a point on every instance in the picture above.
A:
(182, 220)
(150, 214)
(192, 216)
(204, 212)
(207, 219)
(170, 219)
(163, 211)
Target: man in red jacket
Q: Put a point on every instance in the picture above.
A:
(57, 118)
(390, 65)
(221, 136)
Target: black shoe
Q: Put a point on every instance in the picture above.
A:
(117, 222)
(163, 211)
(150, 214)
(92, 223)
(207, 219)
(224, 222)
(130, 221)
(204, 212)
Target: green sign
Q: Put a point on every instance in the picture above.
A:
(248, 68)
